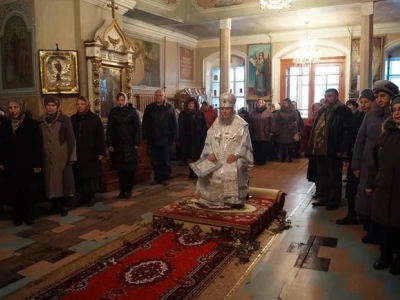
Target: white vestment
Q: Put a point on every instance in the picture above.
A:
(228, 185)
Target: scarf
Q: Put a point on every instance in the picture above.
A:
(51, 118)
(87, 105)
(261, 109)
(16, 122)
(380, 111)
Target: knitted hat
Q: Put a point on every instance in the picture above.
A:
(242, 110)
(52, 99)
(395, 100)
(385, 86)
(352, 102)
(367, 94)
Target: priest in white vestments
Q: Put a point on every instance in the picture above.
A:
(228, 141)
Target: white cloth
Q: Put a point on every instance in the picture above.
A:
(228, 185)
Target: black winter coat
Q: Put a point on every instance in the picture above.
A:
(90, 143)
(192, 132)
(124, 134)
(20, 153)
(384, 177)
(357, 120)
(160, 126)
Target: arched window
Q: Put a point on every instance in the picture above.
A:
(393, 65)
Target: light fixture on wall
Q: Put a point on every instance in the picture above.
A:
(275, 4)
(307, 54)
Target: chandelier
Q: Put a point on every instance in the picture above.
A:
(307, 54)
(275, 4)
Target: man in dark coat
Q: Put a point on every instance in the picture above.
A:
(329, 143)
(160, 131)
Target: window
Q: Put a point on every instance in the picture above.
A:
(307, 85)
(393, 70)
(236, 85)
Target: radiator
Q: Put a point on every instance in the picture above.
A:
(142, 100)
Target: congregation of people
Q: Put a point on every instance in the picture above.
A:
(57, 156)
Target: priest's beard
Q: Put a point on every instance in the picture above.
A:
(227, 120)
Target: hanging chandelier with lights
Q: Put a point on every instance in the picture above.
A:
(275, 4)
(307, 54)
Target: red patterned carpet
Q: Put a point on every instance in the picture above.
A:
(157, 266)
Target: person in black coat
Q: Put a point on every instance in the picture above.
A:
(300, 127)
(21, 155)
(192, 131)
(90, 144)
(160, 131)
(123, 142)
(366, 98)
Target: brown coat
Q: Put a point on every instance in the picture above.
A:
(261, 125)
(384, 177)
(59, 148)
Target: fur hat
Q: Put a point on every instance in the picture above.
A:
(352, 102)
(395, 100)
(367, 94)
(227, 100)
(385, 86)
(52, 99)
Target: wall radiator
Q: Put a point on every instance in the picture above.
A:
(142, 100)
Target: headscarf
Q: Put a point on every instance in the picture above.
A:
(276, 105)
(87, 105)
(16, 122)
(125, 96)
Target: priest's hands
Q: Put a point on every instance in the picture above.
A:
(231, 159)
(212, 157)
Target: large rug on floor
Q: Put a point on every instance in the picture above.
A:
(157, 266)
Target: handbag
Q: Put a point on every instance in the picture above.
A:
(297, 135)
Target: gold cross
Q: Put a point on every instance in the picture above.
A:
(113, 8)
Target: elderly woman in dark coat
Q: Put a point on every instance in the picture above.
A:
(369, 132)
(90, 150)
(59, 147)
(286, 127)
(192, 131)
(383, 185)
(21, 159)
(123, 141)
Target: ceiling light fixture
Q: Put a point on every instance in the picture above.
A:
(275, 4)
(307, 54)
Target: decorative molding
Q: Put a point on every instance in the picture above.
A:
(287, 36)
(146, 30)
(169, 5)
(123, 5)
(96, 64)
(224, 8)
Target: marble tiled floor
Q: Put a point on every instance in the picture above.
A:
(315, 259)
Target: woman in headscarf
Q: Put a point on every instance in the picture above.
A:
(90, 151)
(124, 136)
(59, 155)
(21, 159)
(192, 131)
(286, 127)
(274, 155)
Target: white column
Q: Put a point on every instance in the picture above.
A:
(366, 42)
(225, 26)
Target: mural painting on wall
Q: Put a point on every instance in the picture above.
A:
(16, 55)
(110, 86)
(259, 77)
(186, 64)
(147, 63)
(207, 4)
(355, 64)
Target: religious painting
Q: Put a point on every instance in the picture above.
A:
(377, 60)
(17, 61)
(147, 63)
(186, 64)
(59, 72)
(259, 76)
(110, 86)
(208, 4)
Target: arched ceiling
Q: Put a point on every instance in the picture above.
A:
(200, 18)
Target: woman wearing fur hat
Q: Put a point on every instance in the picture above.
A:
(383, 186)
(359, 110)
(369, 132)
(90, 150)
(59, 147)
(21, 159)
(123, 141)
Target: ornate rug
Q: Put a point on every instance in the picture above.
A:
(244, 223)
(157, 266)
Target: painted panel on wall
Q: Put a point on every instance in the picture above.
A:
(377, 55)
(16, 55)
(259, 77)
(110, 86)
(186, 64)
(147, 63)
